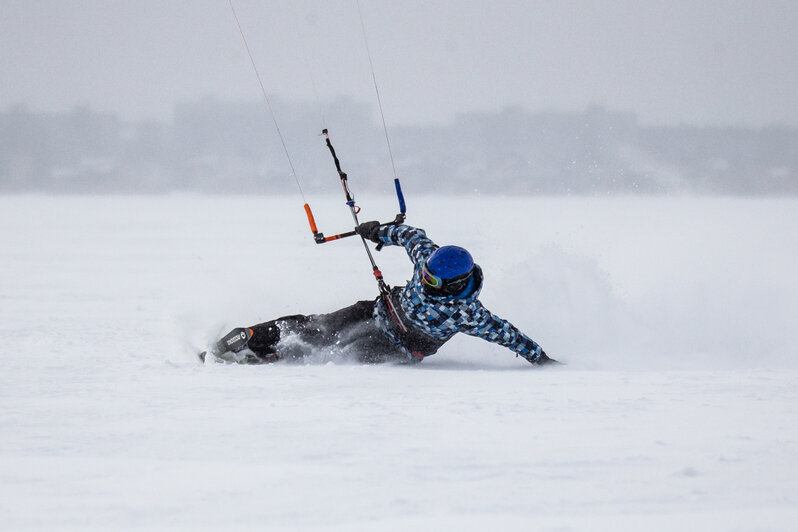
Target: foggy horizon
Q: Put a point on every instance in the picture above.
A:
(212, 145)
(326, 107)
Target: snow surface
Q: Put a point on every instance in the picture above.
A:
(678, 409)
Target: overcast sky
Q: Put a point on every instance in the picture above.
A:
(669, 61)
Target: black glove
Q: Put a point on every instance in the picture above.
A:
(544, 360)
(369, 231)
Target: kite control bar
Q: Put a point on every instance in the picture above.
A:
(318, 236)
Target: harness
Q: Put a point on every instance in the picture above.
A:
(418, 343)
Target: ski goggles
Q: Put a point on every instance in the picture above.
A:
(430, 279)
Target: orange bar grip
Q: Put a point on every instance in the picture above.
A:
(311, 221)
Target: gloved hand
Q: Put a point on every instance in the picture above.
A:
(544, 360)
(369, 231)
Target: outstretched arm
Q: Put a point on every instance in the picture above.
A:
(489, 327)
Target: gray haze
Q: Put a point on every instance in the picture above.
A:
(669, 62)
(218, 146)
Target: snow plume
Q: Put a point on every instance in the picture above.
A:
(591, 323)
(674, 283)
(569, 304)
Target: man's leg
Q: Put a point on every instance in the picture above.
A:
(259, 344)
(266, 336)
(256, 344)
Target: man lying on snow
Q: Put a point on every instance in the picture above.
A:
(439, 301)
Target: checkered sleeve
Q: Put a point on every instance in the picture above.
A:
(483, 324)
(414, 240)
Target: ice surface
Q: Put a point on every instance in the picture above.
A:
(677, 410)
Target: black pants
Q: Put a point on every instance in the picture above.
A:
(346, 333)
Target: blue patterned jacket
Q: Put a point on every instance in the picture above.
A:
(433, 320)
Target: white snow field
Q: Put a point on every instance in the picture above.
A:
(677, 409)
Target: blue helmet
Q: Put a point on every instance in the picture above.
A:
(448, 270)
(449, 262)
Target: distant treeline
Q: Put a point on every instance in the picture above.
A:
(214, 146)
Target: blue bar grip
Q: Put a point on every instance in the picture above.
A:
(402, 206)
